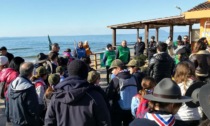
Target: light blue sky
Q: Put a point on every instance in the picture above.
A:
(81, 17)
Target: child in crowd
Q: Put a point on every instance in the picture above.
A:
(60, 72)
(165, 101)
(185, 77)
(139, 105)
(38, 81)
(53, 80)
(93, 78)
(67, 54)
(133, 67)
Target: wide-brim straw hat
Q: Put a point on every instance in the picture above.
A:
(204, 100)
(167, 91)
(41, 57)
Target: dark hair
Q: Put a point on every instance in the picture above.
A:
(53, 56)
(199, 45)
(108, 46)
(3, 48)
(162, 47)
(86, 59)
(26, 69)
(180, 43)
(16, 62)
(179, 38)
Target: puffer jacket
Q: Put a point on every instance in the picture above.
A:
(201, 60)
(161, 66)
(74, 103)
(7, 76)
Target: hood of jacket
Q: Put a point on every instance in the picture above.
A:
(70, 90)
(18, 86)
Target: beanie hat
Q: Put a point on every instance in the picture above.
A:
(3, 60)
(93, 76)
(108, 46)
(78, 68)
(53, 79)
(41, 71)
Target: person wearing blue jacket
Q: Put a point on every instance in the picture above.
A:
(79, 52)
(75, 102)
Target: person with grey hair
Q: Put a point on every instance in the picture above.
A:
(23, 102)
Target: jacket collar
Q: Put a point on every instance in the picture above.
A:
(202, 52)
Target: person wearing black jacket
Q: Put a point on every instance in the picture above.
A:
(139, 47)
(75, 102)
(161, 64)
(3, 51)
(152, 47)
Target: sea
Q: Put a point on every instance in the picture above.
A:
(30, 47)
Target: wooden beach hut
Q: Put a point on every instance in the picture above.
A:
(198, 14)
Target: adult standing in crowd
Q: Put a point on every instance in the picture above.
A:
(201, 57)
(161, 64)
(74, 103)
(187, 44)
(109, 56)
(123, 52)
(152, 47)
(87, 48)
(79, 52)
(120, 92)
(7, 76)
(3, 52)
(4, 62)
(23, 102)
(139, 47)
(169, 42)
(55, 48)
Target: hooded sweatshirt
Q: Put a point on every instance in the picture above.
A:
(23, 103)
(74, 103)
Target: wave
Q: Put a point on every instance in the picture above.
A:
(20, 48)
(29, 56)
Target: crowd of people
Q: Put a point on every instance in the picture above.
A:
(65, 91)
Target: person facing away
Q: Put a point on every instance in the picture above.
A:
(123, 52)
(139, 105)
(60, 71)
(161, 64)
(133, 67)
(4, 62)
(120, 92)
(139, 47)
(75, 103)
(79, 52)
(87, 48)
(3, 52)
(185, 77)
(165, 101)
(53, 80)
(53, 57)
(23, 102)
(108, 57)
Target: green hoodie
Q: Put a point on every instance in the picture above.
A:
(124, 54)
(110, 56)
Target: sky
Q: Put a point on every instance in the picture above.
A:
(82, 17)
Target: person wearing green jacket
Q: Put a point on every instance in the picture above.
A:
(123, 52)
(109, 56)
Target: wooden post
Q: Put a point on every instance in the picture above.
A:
(146, 27)
(157, 34)
(137, 35)
(114, 37)
(95, 61)
(190, 32)
(171, 33)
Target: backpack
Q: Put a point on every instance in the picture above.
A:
(127, 89)
(142, 108)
